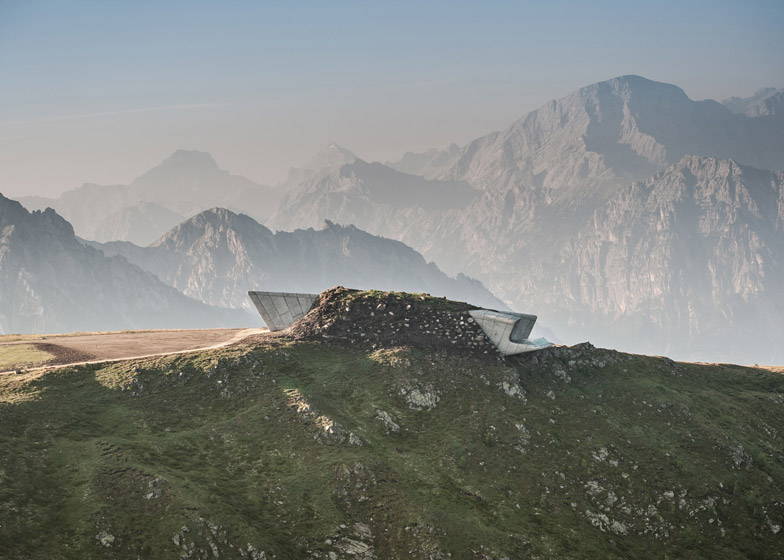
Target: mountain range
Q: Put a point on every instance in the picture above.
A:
(625, 212)
(182, 185)
(50, 282)
(217, 256)
(542, 188)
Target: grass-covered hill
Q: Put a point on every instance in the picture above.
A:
(320, 442)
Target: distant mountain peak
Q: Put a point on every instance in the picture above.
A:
(191, 160)
(633, 86)
(191, 157)
(331, 156)
(765, 102)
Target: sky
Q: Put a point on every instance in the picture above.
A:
(100, 91)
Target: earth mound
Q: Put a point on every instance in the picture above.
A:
(376, 319)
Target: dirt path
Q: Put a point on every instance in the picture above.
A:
(117, 346)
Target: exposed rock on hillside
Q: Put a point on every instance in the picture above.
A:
(388, 319)
(288, 446)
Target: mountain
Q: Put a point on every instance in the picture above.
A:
(689, 262)
(369, 195)
(304, 446)
(605, 135)
(140, 224)
(423, 163)
(766, 102)
(86, 207)
(217, 256)
(182, 185)
(543, 185)
(331, 157)
(50, 282)
(189, 182)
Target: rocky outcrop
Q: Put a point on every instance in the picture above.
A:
(375, 320)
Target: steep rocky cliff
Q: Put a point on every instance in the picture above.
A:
(689, 262)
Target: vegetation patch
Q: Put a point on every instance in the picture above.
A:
(20, 356)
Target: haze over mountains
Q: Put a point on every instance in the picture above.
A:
(625, 213)
(217, 256)
(50, 282)
(766, 102)
(179, 187)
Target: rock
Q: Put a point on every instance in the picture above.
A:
(419, 400)
(389, 423)
(105, 539)
(254, 553)
(512, 390)
(601, 455)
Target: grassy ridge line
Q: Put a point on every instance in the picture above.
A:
(590, 454)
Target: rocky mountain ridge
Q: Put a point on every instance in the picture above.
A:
(692, 258)
(765, 102)
(50, 282)
(217, 256)
(509, 208)
(541, 184)
(184, 184)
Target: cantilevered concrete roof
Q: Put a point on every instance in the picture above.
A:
(509, 331)
(281, 309)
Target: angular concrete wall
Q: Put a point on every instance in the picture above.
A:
(509, 331)
(280, 309)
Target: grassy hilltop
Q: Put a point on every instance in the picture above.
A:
(355, 436)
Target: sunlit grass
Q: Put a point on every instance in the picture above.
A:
(21, 356)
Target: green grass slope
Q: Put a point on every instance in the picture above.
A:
(292, 448)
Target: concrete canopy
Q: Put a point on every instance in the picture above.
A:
(509, 331)
(281, 309)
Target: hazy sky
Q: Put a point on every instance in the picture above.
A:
(100, 91)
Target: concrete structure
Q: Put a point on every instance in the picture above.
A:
(281, 310)
(509, 331)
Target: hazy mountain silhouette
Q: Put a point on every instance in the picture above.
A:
(217, 256)
(50, 282)
(184, 184)
(767, 101)
(541, 184)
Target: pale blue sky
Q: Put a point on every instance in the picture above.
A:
(101, 90)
